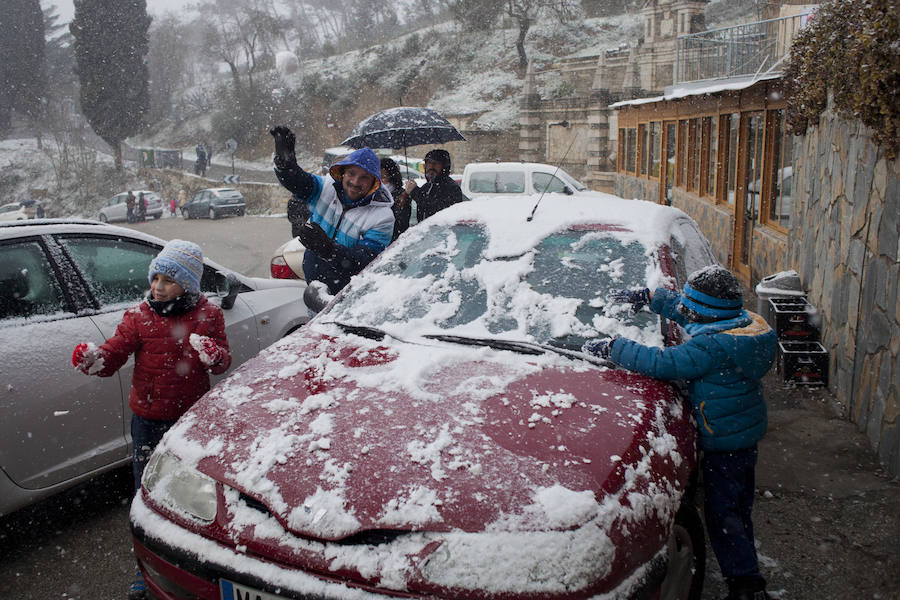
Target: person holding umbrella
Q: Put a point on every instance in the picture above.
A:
(439, 192)
(350, 219)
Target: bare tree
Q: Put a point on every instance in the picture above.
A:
(524, 13)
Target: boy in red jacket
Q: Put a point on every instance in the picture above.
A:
(177, 337)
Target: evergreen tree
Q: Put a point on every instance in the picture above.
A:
(111, 41)
(22, 78)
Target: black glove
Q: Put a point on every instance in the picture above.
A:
(284, 147)
(314, 238)
(637, 298)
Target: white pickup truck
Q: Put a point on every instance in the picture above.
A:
(485, 179)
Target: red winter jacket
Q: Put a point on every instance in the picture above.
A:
(168, 375)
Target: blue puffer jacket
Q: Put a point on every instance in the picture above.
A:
(361, 228)
(722, 364)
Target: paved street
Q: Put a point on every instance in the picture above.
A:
(827, 517)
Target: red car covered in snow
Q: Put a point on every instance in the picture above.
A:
(436, 431)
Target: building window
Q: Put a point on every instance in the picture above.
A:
(655, 146)
(733, 122)
(620, 155)
(681, 160)
(642, 147)
(694, 145)
(778, 208)
(711, 145)
(631, 151)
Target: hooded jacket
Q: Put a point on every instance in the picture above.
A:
(722, 363)
(361, 228)
(168, 375)
(440, 192)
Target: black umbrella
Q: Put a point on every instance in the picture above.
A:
(401, 127)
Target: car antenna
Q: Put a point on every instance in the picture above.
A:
(541, 197)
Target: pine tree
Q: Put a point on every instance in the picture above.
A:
(22, 75)
(111, 42)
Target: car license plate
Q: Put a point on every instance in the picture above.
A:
(238, 591)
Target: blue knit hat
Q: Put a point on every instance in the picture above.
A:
(182, 261)
(712, 293)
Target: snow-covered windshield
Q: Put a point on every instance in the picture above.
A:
(554, 293)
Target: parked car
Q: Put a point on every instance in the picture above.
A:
(436, 431)
(116, 208)
(214, 203)
(64, 282)
(521, 179)
(14, 211)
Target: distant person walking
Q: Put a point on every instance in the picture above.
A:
(141, 207)
(200, 164)
(129, 206)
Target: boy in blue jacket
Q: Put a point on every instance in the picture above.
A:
(729, 351)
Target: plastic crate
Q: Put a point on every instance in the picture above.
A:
(791, 318)
(803, 363)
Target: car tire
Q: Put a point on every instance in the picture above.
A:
(212, 213)
(186, 214)
(240, 213)
(686, 568)
(103, 218)
(157, 216)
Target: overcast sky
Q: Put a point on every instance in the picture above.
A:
(66, 8)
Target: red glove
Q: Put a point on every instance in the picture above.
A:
(84, 356)
(210, 352)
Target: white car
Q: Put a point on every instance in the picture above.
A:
(64, 282)
(486, 180)
(13, 211)
(116, 208)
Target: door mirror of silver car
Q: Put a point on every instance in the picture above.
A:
(228, 286)
(316, 296)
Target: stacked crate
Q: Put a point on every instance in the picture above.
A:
(802, 359)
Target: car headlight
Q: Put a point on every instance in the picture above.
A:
(170, 482)
(535, 562)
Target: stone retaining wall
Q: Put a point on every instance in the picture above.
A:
(845, 245)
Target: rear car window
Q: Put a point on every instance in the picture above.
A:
(497, 182)
(28, 285)
(115, 269)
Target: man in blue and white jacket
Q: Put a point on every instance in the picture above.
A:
(350, 219)
(729, 351)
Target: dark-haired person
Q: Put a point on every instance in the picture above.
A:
(439, 191)
(729, 351)
(393, 184)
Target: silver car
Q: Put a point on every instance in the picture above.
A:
(64, 282)
(116, 208)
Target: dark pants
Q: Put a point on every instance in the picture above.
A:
(145, 435)
(728, 487)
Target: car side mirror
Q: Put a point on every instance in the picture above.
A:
(228, 286)
(316, 296)
(568, 191)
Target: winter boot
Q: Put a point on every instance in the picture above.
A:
(138, 589)
(753, 588)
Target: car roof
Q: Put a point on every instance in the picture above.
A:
(510, 166)
(12, 229)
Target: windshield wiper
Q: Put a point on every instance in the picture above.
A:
(373, 333)
(518, 346)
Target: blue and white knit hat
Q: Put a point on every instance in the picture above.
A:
(183, 262)
(712, 293)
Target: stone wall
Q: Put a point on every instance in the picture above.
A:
(844, 245)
